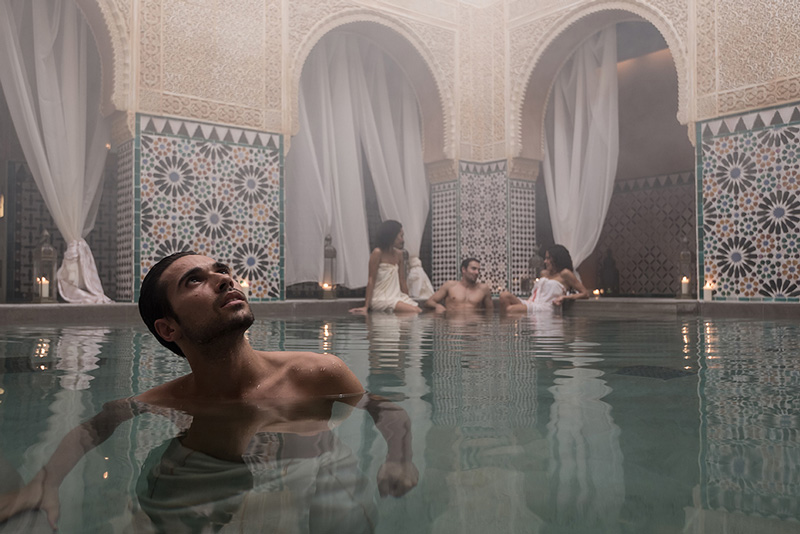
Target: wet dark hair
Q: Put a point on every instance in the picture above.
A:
(387, 233)
(153, 301)
(466, 262)
(559, 256)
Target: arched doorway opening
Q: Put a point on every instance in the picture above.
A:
(363, 131)
(25, 215)
(649, 228)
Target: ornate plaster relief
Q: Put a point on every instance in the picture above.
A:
(309, 21)
(109, 21)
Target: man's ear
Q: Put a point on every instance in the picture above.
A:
(167, 329)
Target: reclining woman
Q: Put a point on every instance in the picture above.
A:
(386, 286)
(551, 288)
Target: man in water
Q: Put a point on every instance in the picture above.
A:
(466, 294)
(234, 395)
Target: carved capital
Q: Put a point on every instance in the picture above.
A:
(444, 170)
(524, 169)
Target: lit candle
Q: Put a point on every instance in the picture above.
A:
(596, 293)
(245, 288)
(685, 285)
(708, 291)
(45, 291)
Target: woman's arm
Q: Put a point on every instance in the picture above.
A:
(572, 282)
(374, 261)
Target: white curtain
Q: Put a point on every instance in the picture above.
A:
(47, 62)
(354, 101)
(582, 144)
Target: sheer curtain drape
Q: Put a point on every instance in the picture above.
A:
(582, 144)
(46, 63)
(353, 99)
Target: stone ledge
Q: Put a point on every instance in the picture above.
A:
(128, 312)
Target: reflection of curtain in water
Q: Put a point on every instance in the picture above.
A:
(587, 459)
(76, 353)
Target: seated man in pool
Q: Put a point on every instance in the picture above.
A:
(466, 294)
(194, 306)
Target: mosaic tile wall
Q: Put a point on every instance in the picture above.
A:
(28, 216)
(749, 412)
(748, 206)
(647, 220)
(522, 230)
(484, 223)
(125, 221)
(445, 235)
(212, 189)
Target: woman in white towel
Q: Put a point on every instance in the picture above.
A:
(386, 286)
(551, 288)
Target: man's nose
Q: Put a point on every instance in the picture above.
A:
(225, 282)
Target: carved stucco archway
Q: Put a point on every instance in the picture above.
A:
(111, 34)
(410, 53)
(531, 92)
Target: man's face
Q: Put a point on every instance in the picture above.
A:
(207, 301)
(471, 272)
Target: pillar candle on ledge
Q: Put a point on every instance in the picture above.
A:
(44, 287)
(685, 285)
(245, 288)
(708, 291)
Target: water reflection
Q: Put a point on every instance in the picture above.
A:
(551, 424)
(750, 421)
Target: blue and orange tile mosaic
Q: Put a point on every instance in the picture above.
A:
(214, 190)
(748, 205)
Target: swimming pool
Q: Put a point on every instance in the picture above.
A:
(562, 425)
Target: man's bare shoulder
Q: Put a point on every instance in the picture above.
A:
(316, 373)
(166, 393)
(484, 288)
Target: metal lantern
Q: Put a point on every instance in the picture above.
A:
(328, 283)
(45, 262)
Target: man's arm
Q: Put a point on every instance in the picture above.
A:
(434, 302)
(488, 303)
(398, 474)
(42, 491)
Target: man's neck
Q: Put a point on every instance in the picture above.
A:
(225, 368)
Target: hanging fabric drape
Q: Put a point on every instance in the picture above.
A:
(354, 100)
(46, 64)
(582, 144)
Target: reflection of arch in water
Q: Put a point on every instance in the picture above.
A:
(410, 53)
(530, 93)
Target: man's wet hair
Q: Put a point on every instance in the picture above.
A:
(153, 301)
(466, 262)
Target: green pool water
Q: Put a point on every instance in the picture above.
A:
(540, 425)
